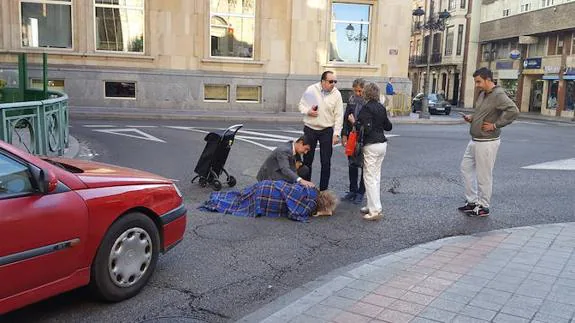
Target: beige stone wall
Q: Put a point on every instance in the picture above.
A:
(291, 38)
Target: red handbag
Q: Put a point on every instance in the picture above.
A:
(351, 143)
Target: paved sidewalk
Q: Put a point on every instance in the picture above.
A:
(515, 275)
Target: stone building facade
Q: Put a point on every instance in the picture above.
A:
(251, 55)
(530, 45)
(452, 46)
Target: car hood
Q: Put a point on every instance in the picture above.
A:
(95, 174)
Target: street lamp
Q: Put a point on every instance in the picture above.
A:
(351, 36)
(433, 23)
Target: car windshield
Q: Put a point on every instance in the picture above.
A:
(435, 97)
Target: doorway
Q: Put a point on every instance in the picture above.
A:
(455, 101)
(536, 98)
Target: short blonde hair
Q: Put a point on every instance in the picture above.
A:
(371, 92)
(327, 201)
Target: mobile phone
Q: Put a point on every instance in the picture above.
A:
(461, 113)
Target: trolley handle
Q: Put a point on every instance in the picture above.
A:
(233, 129)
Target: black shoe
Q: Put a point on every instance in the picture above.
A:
(358, 199)
(349, 196)
(479, 211)
(467, 208)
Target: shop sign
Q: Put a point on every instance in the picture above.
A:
(505, 65)
(570, 70)
(532, 63)
(552, 69)
(514, 54)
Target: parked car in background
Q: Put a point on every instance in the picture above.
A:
(67, 223)
(436, 104)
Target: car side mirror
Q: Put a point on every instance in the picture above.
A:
(47, 181)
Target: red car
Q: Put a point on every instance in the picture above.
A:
(66, 223)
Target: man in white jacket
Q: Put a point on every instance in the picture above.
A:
(322, 107)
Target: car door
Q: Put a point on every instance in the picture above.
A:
(42, 234)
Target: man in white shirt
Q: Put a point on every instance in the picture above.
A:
(322, 107)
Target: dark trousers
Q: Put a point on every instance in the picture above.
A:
(353, 177)
(325, 138)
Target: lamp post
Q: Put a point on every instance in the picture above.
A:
(433, 23)
(351, 36)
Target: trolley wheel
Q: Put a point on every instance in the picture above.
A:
(217, 185)
(232, 181)
(203, 182)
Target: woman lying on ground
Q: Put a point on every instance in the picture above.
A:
(273, 199)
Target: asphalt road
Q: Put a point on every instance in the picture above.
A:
(228, 266)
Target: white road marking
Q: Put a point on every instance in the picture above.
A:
(264, 139)
(254, 136)
(131, 132)
(99, 126)
(141, 126)
(563, 164)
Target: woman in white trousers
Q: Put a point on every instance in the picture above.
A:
(373, 118)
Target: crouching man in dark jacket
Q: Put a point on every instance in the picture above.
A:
(282, 163)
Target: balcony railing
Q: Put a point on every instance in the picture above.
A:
(36, 126)
(422, 59)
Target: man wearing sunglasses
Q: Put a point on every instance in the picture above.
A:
(322, 107)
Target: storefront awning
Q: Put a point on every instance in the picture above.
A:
(550, 77)
(554, 77)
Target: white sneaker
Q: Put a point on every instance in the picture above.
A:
(364, 210)
(373, 217)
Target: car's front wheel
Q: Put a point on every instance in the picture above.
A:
(126, 258)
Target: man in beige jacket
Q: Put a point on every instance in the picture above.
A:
(322, 107)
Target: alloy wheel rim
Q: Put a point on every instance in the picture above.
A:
(130, 257)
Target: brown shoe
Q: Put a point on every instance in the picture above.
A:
(373, 217)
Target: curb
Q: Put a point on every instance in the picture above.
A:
(529, 116)
(275, 118)
(73, 149)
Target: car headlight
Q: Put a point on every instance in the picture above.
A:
(177, 190)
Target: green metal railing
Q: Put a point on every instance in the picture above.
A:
(35, 120)
(39, 127)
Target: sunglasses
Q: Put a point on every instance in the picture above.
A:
(331, 81)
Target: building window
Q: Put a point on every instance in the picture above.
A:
(503, 50)
(232, 28)
(573, 44)
(506, 13)
(547, 3)
(459, 39)
(538, 49)
(55, 85)
(47, 23)
(552, 45)
(462, 4)
(248, 94)
(525, 7)
(217, 93)
(449, 41)
(452, 4)
(120, 90)
(552, 101)
(119, 25)
(349, 33)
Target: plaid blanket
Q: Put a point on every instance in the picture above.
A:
(266, 198)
